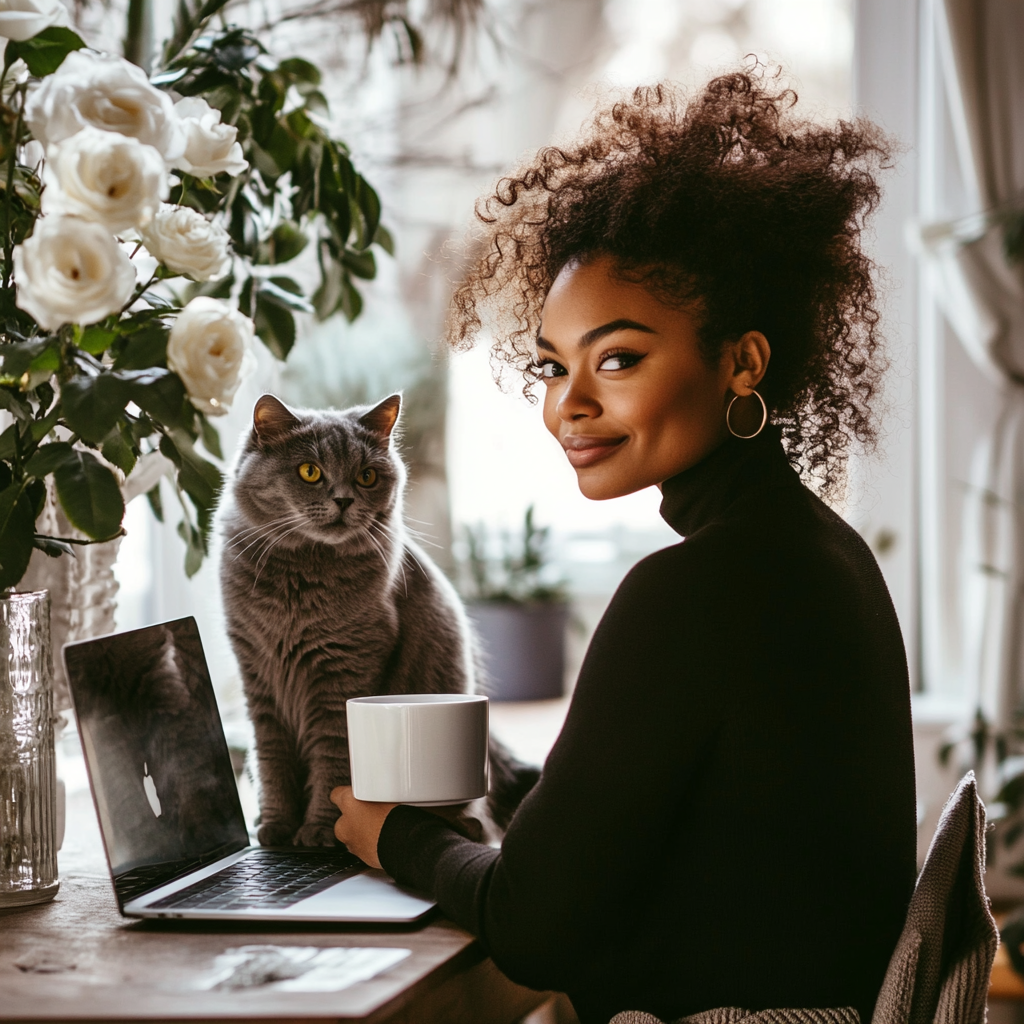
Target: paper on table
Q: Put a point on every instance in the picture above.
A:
(299, 968)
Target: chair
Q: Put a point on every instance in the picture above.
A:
(939, 972)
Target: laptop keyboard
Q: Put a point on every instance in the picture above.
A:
(265, 879)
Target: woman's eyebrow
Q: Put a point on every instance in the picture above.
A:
(597, 333)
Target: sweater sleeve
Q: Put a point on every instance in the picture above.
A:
(582, 848)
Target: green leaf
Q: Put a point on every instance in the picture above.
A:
(382, 237)
(45, 52)
(275, 325)
(362, 264)
(282, 148)
(285, 292)
(40, 428)
(92, 405)
(369, 205)
(351, 302)
(195, 550)
(17, 528)
(327, 297)
(215, 289)
(48, 457)
(118, 451)
(211, 439)
(156, 502)
(16, 405)
(315, 101)
(301, 70)
(161, 394)
(8, 442)
(16, 358)
(90, 496)
(144, 349)
(96, 340)
(245, 298)
(201, 480)
(36, 490)
(286, 242)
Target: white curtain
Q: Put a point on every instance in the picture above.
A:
(979, 50)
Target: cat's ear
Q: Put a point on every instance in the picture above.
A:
(381, 419)
(271, 418)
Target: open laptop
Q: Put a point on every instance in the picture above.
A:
(168, 804)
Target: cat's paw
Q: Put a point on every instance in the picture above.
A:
(315, 835)
(275, 833)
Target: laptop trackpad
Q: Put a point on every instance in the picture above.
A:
(369, 896)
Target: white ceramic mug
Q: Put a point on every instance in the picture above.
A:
(421, 748)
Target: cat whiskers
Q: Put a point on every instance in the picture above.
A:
(419, 535)
(263, 531)
(390, 531)
(383, 555)
(263, 556)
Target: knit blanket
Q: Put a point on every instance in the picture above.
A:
(939, 972)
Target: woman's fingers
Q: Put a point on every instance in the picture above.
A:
(338, 794)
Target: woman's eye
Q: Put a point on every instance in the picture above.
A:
(549, 368)
(620, 361)
(310, 472)
(367, 477)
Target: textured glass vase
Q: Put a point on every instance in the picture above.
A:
(28, 806)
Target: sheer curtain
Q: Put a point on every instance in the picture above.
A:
(976, 44)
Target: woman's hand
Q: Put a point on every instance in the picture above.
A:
(360, 824)
(361, 821)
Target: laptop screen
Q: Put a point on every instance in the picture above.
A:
(158, 761)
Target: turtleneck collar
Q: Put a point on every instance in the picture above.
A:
(702, 493)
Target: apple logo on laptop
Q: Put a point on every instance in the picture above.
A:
(150, 787)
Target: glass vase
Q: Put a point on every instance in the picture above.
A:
(28, 783)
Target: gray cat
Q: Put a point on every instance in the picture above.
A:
(328, 598)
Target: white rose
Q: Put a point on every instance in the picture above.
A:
(184, 241)
(102, 176)
(23, 19)
(210, 147)
(106, 92)
(209, 349)
(71, 271)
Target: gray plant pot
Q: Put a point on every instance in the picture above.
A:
(523, 647)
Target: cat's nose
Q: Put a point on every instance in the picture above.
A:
(343, 503)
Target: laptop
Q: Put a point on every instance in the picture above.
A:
(168, 804)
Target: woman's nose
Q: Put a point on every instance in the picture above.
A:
(577, 401)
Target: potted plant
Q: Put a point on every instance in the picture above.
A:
(518, 609)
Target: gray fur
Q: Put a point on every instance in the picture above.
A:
(327, 597)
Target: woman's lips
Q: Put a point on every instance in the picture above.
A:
(584, 450)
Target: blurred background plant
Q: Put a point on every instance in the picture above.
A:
(511, 566)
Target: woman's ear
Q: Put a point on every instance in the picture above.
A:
(748, 358)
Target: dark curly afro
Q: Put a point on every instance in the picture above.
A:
(726, 204)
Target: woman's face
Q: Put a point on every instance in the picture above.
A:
(628, 394)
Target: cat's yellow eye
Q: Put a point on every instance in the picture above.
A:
(310, 472)
(367, 477)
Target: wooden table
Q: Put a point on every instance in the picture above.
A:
(78, 959)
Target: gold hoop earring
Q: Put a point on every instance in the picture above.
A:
(764, 418)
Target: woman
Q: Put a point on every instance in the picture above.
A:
(727, 818)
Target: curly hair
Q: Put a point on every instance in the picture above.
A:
(725, 204)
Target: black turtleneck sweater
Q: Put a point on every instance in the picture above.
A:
(728, 816)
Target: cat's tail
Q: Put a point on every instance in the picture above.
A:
(511, 780)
